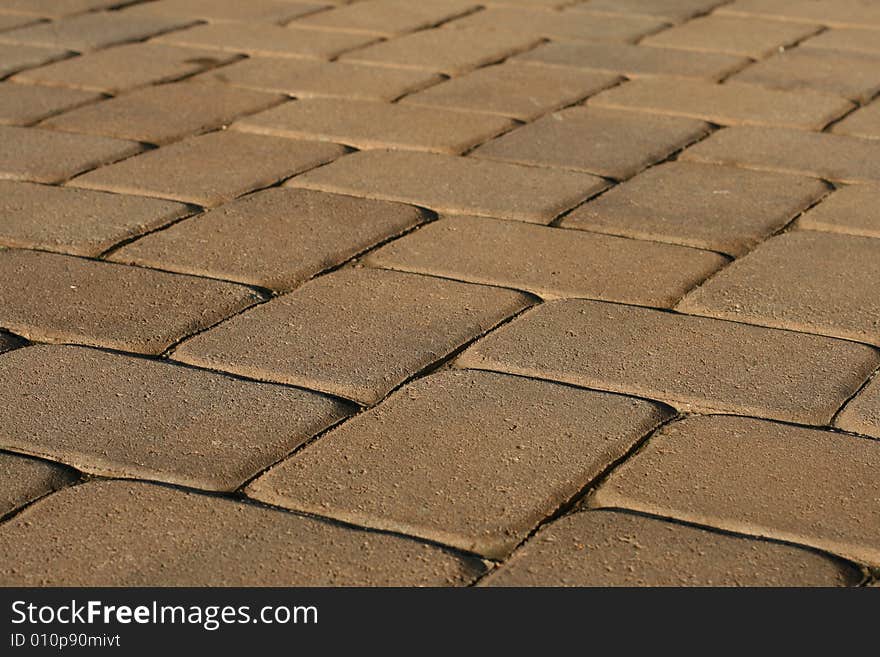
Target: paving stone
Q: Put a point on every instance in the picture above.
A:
(550, 262)
(862, 414)
(51, 157)
(368, 124)
(694, 363)
(779, 284)
(805, 486)
(833, 157)
(16, 57)
(733, 35)
(845, 39)
(388, 17)
(633, 61)
(268, 11)
(353, 333)
(671, 10)
(864, 122)
(164, 113)
(76, 221)
(726, 104)
(853, 13)
(26, 479)
(850, 210)
(611, 144)
(263, 39)
(124, 67)
(322, 79)
(180, 538)
(609, 548)
(544, 4)
(57, 7)
(450, 51)
(456, 185)
(211, 169)
(710, 207)
(149, 419)
(21, 104)
(13, 21)
(413, 466)
(277, 238)
(499, 90)
(57, 298)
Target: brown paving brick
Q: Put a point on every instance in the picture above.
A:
(353, 333)
(277, 238)
(805, 281)
(862, 414)
(56, 7)
(633, 61)
(550, 262)
(694, 363)
(58, 298)
(125, 67)
(864, 122)
(500, 90)
(711, 207)
(368, 124)
(672, 10)
(47, 156)
(544, 4)
(850, 210)
(612, 144)
(457, 185)
(211, 169)
(13, 21)
(726, 103)
(845, 39)
(833, 157)
(854, 13)
(736, 36)
(269, 11)
(164, 113)
(322, 79)
(388, 17)
(147, 419)
(451, 51)
(806, 486)
(16, 57)
(162, 536)
(609, 548)
(76, 221)
(25, 479)
(412, 465)
(21, 104)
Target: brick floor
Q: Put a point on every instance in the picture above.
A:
(55, 7)
(26, 479)
(845, 39)
(388, 18)
(671, 10)
(848, 210)
(862, 414)
(14, 58)
(268, 11)
(22, 104)
(836, 13)
(864, 122)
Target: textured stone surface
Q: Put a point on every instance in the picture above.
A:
(25, 479)
(413, 466)
(850, 209)
(672, 10)
(855, 13)
(862, 414)
(16, 57)
(268, 11)
(21, 104)
(864, 122)
(845, 39)
(388, 17)
(55, 7)
(12, 21)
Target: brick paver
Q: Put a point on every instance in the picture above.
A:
(21, 104)
(550, 262)
(671, 10)
(862, 414)
(277, 238)
(268, 11)
(848, 210)
(55, 7)
(412, 465)
(694, 363)
(14, 57)
(58, 298)
(760, 478)
(608, 548)
(864, 122)
(845, 39)
(388, 17)
(13, 21)
(181, 538)
(26, 479)
(855, 13)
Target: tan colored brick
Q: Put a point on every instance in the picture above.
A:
(166, 537)
(21, 104)
(413, 466)
(727, 104)
(633, 61)
(805, 486)
(125, 67)
(76, 221)
(353, 333)
(268, 11)
(833, 157)
(593, 139)
(388, 17)
(834, 13)
(57, 298)
(544, 4)
(710, 207)
(850, 210)
(14, 57)
(458, 185)
(499, 90)
(119, 416)
(779, 284)
(694, 363)
(321, 79)
(845, 40)
(862, 414)
(368, 124)
(211, 169)
(51, 157)
(164, 113)
(55, 7)
(25, 479)
(864, 122)
(13, 21)
(735, 36)
(671, 10)
(609, 548)
(450, 51)
(550, 262)
(277, 238)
